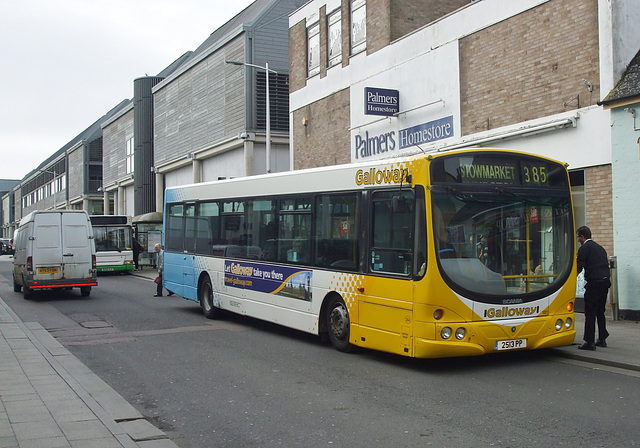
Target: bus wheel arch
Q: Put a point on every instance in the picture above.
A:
(205, 297)
(335, 323)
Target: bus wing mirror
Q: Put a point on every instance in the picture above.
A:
(399, 204)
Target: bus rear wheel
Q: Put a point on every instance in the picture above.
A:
(338, 325)
(205, 293)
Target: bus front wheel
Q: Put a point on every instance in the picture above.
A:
(338, 324)
(205, 292)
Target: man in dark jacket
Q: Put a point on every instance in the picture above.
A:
(593, 259)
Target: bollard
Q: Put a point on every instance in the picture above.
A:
(613, 291)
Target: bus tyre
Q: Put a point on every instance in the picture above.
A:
(338, 324)
(205, 292)
(16, 287)
(85, 291)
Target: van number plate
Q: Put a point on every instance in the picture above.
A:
(48, 270)
(511, 344)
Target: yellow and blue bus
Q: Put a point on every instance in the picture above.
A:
(448, 254)
(113, 235)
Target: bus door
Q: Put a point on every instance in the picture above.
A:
(188, 254)
(175, 251)
(385, 311)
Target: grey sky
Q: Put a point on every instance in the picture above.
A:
(65, 63)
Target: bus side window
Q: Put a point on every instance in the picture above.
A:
(336, 238)
(207, 227)
(392, 232)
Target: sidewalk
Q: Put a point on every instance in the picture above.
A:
(623, 349)
(49, 399)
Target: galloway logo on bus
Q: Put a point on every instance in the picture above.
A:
(512, 312)
(381, 177)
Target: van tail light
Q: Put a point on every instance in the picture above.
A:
(94, 265)
(30, 264)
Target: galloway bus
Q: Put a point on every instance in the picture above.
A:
(456, 253)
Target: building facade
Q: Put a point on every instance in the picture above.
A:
(210, 115)
(7, 207)
(624, 103)
(524, 75)
(69, 179)
(128, 183)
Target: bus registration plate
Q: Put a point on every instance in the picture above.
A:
(53, 270)
(511, 344)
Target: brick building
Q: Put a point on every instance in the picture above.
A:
(524, 75)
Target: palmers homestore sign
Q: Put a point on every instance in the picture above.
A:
(369, 145)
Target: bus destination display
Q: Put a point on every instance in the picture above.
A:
(492, 171)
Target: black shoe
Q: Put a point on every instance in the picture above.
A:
(587, 346)
(160, 295)
(601, 343)
(170, 294)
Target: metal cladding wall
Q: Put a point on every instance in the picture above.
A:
(144, 181)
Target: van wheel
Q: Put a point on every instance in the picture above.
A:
(16, 287)
(338, 324)
(28, 294)
(205, 293)
(85, 291)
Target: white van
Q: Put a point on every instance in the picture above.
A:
(54, 249)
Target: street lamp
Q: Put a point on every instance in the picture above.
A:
(268, 105)
(53, 184)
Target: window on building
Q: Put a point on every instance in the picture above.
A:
(313, 53)
(129, 156)
(358, 26)
(95, 178)
(278, 99)
(578, 196)
(334, 36)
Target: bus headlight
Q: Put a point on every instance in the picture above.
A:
(445, 333)
(460, 333)
(559, 325)
(568, 323)
(437, 314)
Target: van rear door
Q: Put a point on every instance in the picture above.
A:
(76, 246)
(47, 247)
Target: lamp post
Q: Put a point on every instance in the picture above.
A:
(53, 184)
(268, 106)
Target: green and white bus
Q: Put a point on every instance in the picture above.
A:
(114, 243)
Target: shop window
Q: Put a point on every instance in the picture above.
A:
(313, 53)
(334, 36)
(358, 26)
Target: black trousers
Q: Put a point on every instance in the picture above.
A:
(595, 300)
(159, 286)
